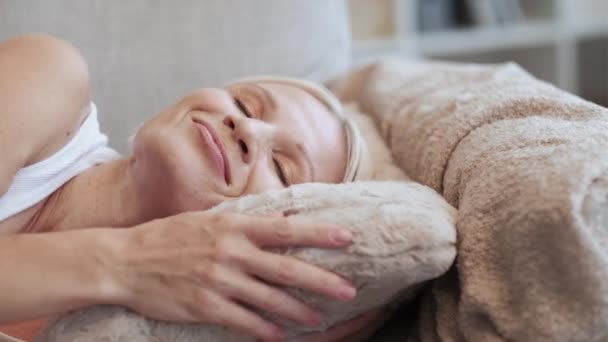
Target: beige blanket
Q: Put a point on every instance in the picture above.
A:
(527, 166)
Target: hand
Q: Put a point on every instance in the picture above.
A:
(200, 267)
(356, 329)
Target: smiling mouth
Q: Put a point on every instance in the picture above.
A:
(210, 136)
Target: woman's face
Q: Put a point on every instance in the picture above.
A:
(219, 144)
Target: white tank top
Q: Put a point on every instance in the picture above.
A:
(35, 182)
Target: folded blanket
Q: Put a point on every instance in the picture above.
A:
(526, 164)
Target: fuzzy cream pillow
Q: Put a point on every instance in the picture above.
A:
(404, 235)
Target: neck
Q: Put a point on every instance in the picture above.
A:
(102, 196)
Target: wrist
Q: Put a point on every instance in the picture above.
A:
(108, 255)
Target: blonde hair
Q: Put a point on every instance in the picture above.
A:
(357, 167)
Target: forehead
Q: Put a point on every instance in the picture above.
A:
(292, 103)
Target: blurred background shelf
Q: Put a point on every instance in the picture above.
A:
(561, 41)
(482, 39)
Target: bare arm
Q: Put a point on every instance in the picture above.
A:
(180, 268)
(44, 92)
(51, 273)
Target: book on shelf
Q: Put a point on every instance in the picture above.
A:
(494, 12)
(482, 12)
(508, 11)
(435, 15)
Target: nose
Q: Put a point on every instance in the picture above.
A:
(252, 136)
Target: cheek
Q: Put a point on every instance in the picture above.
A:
(262, 179)
(169, 172)
(193, 186)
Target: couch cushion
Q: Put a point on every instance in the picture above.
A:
(144, 55)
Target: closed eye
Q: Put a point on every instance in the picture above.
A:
(280, 173)
(242, 107)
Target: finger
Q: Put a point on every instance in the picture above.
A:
(238, 318)
(369, 329)
(251, 291)
(289, 271)
(358, 325)
(286, 230)
(295, 231)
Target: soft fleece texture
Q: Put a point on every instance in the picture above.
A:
(404, 236)
(526, 164)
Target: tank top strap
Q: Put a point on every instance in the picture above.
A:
(35, 182)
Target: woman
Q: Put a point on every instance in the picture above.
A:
(176, 262)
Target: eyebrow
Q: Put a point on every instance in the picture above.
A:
(267, 95)
(311, 169)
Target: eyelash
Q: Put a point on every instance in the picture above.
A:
(280, 173)
(242, 107)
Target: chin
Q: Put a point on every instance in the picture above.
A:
(171, 176)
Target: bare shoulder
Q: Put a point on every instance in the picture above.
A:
(44, 95)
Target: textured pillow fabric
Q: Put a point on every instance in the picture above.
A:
(145, 55)
(404, 236)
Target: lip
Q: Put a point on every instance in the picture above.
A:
(217, 148)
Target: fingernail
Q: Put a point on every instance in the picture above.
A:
(347, 292)
(341, 235)
(346, 283)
